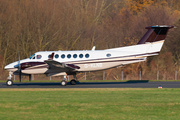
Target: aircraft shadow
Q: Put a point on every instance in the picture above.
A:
(127, 82)
(81, 83)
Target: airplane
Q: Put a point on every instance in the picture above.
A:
(56, 63)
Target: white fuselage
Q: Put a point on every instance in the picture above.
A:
(91, 60)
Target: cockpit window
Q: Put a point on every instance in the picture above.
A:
(32, 56)
(38, 56)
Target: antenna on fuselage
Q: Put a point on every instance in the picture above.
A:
(93, 48)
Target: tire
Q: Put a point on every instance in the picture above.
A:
(73, 82)
(63, 83)
(9, 83)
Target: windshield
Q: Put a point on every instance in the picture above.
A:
(32, 56)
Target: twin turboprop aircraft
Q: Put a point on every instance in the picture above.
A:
(56, 63)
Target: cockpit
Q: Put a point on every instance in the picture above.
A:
(35, 56)
(32, 57)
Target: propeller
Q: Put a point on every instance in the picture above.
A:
(51, 56)
(19, 69)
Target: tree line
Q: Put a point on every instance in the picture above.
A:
(29, 26)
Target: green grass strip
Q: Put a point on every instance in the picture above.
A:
(88, 104)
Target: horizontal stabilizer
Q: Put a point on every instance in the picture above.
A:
(155, 33)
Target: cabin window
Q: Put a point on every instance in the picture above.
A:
(87, 55)
(49, 56)
(108, 55)
(69, 56)
(62, 56)
(75, 56)
(38, 56)
(81, 55)
(56, 56)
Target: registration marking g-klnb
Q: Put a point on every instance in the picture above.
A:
(93, 65)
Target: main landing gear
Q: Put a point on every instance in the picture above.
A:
(9, 82)
(63, 82)
(72, 82)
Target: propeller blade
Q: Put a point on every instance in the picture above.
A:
(19, 75)
(19, 66)
(19, 57)
(51, 56)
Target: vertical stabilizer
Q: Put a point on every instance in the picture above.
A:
(155, 33)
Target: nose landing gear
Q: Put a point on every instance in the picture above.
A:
(9, 82)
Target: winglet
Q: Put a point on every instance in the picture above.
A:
(51, 56)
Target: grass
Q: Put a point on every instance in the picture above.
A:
(101, 104)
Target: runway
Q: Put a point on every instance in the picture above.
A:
(128, 84)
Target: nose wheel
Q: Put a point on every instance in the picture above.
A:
(9, 83)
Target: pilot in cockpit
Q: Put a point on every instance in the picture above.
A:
(39, 56)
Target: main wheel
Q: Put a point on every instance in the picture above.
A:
(63, 83)
(9, 83)
(73, 82)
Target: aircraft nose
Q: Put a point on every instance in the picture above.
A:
(7, 67)
(10, 66)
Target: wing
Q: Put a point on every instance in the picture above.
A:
(61, 66)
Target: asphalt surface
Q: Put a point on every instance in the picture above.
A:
(128, 84)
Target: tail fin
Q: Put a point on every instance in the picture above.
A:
(155, 33)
